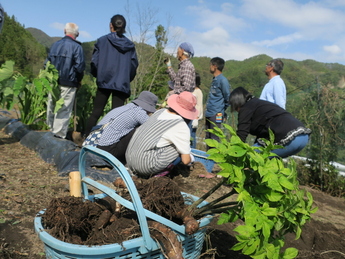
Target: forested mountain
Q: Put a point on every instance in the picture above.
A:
(42, 37)
(19, 45)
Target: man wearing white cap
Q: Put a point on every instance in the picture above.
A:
(184, 79)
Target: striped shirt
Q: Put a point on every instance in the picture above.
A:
(122, 120)
(144, 157)
(184, 80)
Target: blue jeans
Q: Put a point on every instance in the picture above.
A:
(192, 135)
(176, 161)
(292, 148)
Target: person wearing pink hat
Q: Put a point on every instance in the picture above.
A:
(164, 139)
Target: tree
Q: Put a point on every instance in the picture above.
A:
(150, 73)
(157, 76)
(18, 45)
(324, 113)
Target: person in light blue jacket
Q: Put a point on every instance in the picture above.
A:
(218, 97)
(275, 90)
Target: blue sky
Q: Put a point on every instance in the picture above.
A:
(233, 30)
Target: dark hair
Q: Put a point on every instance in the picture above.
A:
(238, 98)
(277, 65)
(197, 79)
(119, 24)
(218, 62)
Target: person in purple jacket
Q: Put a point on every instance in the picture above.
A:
(114, 63)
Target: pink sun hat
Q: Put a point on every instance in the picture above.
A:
(184, 104)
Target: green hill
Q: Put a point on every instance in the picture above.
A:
(42, 37)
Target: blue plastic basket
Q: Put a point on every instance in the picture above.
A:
(143, 247)
(202, 157)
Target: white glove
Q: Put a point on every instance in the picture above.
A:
(195, 124)
(167, 62)
(192, 159)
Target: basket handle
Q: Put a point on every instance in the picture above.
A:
(136, 205)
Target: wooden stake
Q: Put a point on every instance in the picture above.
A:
(75, 184)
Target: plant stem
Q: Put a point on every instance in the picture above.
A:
(215, 211)
(212, 204)
(200, 211)
(206, 195)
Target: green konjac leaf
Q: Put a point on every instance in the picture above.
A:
(8, 91)
(18, 85)
(6, 70)
(58, 105)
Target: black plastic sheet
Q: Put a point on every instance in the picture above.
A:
(62, 153)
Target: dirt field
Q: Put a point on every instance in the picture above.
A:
(28, 184)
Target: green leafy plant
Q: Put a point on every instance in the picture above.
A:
(269, 200)
(30, 96)
(6, 72)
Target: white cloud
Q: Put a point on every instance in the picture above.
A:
(313, 19)
(290, 29)
(58, 26)
(85, 34)
(208, 19)
(334, 49)
(279, 40)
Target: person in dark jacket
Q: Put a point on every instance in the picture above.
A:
(68, 58)
(114, 64)
(257, 116)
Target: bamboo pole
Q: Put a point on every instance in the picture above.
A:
(75, 184)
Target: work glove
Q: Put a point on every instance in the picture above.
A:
(167, 62)
(194, 124)
(192, 159)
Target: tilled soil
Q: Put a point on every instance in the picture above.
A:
(28, 185)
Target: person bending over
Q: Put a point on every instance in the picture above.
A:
(256, 117)
(164, 139)
(120, 124)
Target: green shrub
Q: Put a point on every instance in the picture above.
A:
(269, 200)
